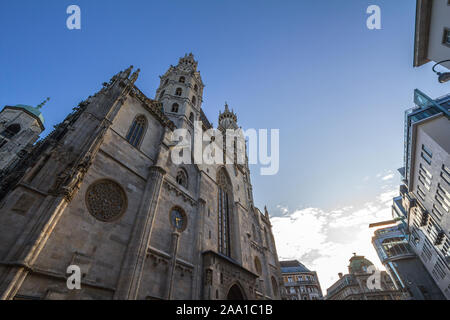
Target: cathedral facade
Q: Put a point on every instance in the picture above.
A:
(102, 193)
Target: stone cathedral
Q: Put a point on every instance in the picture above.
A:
(101, 192)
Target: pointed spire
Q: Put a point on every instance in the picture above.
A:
(43, 103)
(128, 71)
(226, 106)
(266, 212)
(135, 75)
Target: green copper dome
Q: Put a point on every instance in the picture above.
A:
(359, 264)
(33, 110)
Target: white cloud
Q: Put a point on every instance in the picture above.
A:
(325, 240)
(388, 177)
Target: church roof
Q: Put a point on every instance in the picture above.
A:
(34, 110)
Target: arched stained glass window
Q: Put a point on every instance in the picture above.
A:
(225, 209)
(137, 130)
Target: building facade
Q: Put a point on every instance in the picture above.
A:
(103, 193)
(426, 185)
(354, 285)
(400, 260)
(300, 283)
(432, 38)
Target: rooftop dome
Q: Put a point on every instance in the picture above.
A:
(359, 264)
(33, 110)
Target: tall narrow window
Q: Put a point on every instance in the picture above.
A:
(194, 100)
(178, 92)
(162, 94)
(191, 117)
(175, 107)
(182, 178)
(136, 132)
(182, 79)
(224, 206)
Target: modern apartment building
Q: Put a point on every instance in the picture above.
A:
(400, 260)
(300, 283)
(426, 189)
(432, 39)
(356, 284)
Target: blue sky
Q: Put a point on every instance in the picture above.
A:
(312, 69)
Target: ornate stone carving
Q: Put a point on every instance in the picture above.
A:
(106, 200)
(178, 192)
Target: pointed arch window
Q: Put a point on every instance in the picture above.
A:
(194, 100)
(178, 92)
(175, 107)
(11, 130)
(191, 117)
(224, 206)
(182, 80)
(196, 88)
(182, 178)
(136, 132)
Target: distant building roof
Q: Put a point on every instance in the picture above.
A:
(359, 264)
(292, 266)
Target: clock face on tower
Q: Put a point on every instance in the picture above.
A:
(178, 219)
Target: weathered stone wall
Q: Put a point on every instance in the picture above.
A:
(139, 255)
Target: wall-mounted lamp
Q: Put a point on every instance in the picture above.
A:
(443, 77)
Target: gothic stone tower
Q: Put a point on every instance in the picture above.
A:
(101, 192)
(20, 127)
(181, 92)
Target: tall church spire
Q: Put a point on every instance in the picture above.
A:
(181, 92)
(227, 119)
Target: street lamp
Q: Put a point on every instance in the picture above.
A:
(443, 77)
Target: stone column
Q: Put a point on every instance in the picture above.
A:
(173, 264)
(236, 232)
(197, 279)
(21, 257)
(133, 264)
